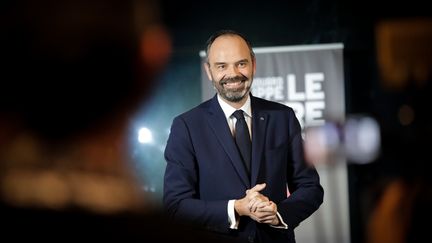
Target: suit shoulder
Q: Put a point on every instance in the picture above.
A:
(271, 105)
(195, 111)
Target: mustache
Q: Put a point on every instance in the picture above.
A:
(225, 80)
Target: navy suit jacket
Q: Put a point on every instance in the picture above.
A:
(204, 170)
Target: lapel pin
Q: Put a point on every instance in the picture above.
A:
(262, 118)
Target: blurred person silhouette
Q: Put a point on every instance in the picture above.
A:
(226, 183)
(402, 206)
(402, 198)
(73, 72)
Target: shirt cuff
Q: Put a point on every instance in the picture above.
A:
(282, 224)
(231, 215)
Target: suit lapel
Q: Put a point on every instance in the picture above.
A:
(217, 121)
(259, 126)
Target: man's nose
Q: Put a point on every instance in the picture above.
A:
(233, 71)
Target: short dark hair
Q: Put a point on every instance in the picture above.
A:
(219, 33)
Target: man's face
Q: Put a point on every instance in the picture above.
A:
(231, 67)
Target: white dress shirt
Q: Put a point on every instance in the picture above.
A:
(247, 111)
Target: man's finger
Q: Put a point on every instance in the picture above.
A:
(257, 188)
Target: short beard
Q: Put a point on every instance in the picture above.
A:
(234, 96)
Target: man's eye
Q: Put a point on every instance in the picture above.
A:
(220, 66)
(242, 64)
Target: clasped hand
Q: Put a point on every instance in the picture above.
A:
(257, 206)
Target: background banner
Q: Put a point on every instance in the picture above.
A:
(308, 78)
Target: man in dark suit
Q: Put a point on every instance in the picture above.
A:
(211, 182)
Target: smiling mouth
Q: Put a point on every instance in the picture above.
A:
(235, 84)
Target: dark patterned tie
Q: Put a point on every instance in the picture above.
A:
(242, 138)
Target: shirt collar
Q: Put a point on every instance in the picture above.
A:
(228, 109)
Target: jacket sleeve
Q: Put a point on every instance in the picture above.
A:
(306, 193)
(181, 198)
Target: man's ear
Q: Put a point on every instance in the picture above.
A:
(207, 69)
(254, 65)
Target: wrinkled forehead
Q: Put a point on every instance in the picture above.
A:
(228, 48)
